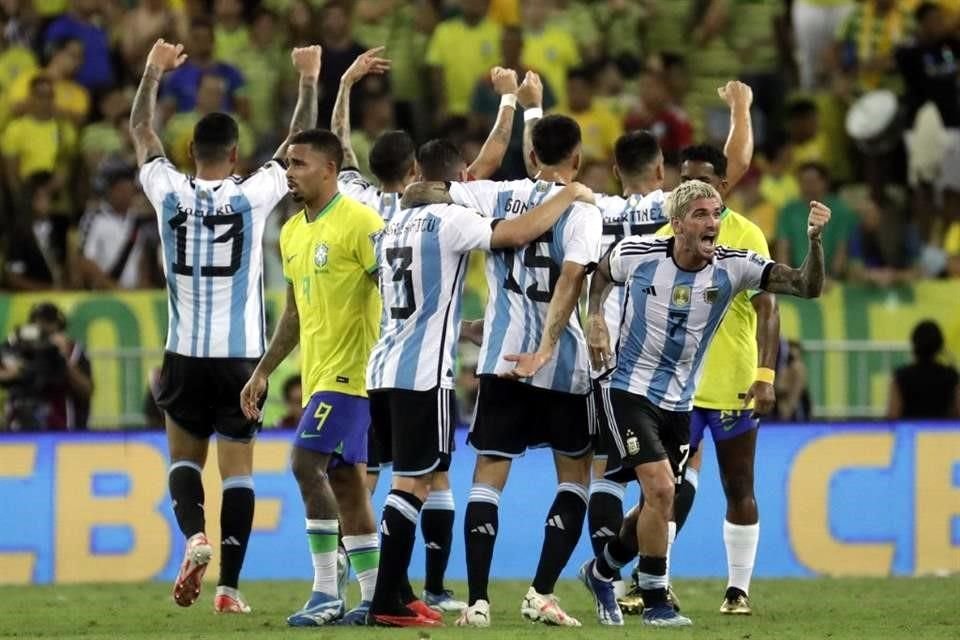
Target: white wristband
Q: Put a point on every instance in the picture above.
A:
(533, 113)
(508, 100)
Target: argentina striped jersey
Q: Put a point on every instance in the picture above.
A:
(353, 184)
(670, 315)
(211, 232)
(520, 282)
(422, 256)
(634, 216)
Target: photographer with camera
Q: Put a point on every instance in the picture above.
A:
(47, 375)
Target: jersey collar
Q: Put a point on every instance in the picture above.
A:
(325, 210)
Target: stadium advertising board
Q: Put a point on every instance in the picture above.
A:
(835, 499)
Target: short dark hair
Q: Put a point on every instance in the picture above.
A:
(923, 10)
(213, 136)
(56, 46)
(927, 340)
(47, 311)
(801, 108)
(636, 151)
(392, 155)
(439, 159)
(40, 79)
(324, 141)
(201, 22)
(669, 60)
(584, 73)
(706, 153)
(289, 384)
(555, 138)
(819, 167)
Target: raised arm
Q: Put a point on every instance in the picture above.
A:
(566, 293)
(807, 281)
(163, 57)
(524, 229)
(285, 338)
(495, 146)
(739, 146)
(530, 97)
(367, 62)
(598, 335)
(306, 60)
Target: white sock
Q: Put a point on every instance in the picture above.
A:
(322, 536)
(671, 536)
(364, 553)
(741, 543)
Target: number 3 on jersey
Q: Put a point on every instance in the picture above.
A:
(400, 258)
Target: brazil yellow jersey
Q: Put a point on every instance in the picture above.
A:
(731, 362)
(329, 263)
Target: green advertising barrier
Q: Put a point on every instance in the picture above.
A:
(125, 333)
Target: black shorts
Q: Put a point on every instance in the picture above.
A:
(202, 395)
(512, 417)
(379, 455)
(643, 432)
(417, 426)
(602, 442)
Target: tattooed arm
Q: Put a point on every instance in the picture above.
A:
(162, 57)
(285, 338)
(530, 96)
(566, 293)
(496, 144)
(807, 281)
(307, 61)
(598, 335)
(367, 62)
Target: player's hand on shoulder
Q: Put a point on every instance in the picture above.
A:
(422, 193)
(736, 93)
(818, 218)
(370, 61)
(166, 56)
(582, 193)
(504, 80)
(530, 91)
(306, 60)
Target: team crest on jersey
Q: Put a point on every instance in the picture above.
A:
(710, 295)
(633, 446)
(320, 255)
(681, 295)
(542, 186)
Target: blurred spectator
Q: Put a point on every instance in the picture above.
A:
(143, 24)
(339, 51)
(599, 125)
(178, 134)
(951, 247)
(82, 23)
(110, 136)
(112, 229)
(579, 19)
(929, 65)
(815, 24)
(485, 103)
(266, 64)
(548, 48)
(47, 375)
(38, 140)
(659, 111)
(230, 31)
(748, 199)
(476, 41)
(506, 13)
(622, 24)
(866, 42)
(376, 116)
(179, 89)
(925, 389)
(808, 143)
(293, 402)
(597, 176)
(71, 100)
(883, 247)
(792, 243)
(778, 185)
(36, 246)
(793, 395)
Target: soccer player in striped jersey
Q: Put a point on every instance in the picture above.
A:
(392, 154)
(678, 290)
(422, 254)
(211, 229)
(332, 310)
(736, 388)
(393, 164)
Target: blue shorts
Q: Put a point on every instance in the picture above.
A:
(724, 424)
(336, 424)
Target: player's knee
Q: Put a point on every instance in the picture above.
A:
(658, 491)
(306, 470)
(739, 489)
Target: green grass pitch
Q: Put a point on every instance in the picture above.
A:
(830, 609)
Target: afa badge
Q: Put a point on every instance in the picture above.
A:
(320, 255)
(710, 295)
